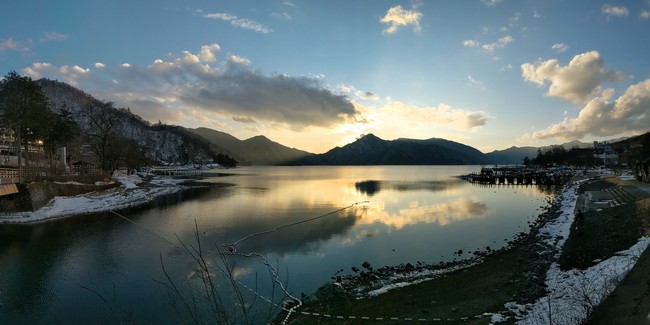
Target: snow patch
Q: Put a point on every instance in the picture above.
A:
(573, 294)
(130, 195)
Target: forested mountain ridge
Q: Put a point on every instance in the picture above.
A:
(258, 150)
(371, 150)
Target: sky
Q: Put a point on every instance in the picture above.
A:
(318, 74)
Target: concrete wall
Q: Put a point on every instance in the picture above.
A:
(33, 196)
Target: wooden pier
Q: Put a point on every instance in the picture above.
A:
(518, 175)
(176, 171)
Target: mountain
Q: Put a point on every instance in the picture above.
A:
(511, 156)
(175, 144)
(371, 150)
(257, 150)
(160, 143)
(516, 155)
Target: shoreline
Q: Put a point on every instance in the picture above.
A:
(526, 279)
(135, 192)
(537, 291)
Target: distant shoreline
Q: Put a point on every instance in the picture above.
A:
(126, 197)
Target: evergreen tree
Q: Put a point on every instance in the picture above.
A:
(24, 110)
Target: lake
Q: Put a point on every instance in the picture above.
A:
(307, 223)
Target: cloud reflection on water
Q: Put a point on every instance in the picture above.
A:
(440, 213)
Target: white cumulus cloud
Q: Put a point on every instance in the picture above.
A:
(69, 74)
(576, 82)
(397, 17)
(602, 117)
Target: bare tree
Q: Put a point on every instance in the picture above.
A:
(103, 118)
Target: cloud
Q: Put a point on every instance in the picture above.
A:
(243, 119)
(243, 23)
(601, 117)
(355, 93)
(397, 17)
(443, 115)
(9, 44)
(490, 47)
(644, 14)
(54, 37)
(209, 53)
(559, 47)
(473, 82)
(69, 74)
(471, 43)
(503, 41)
(282, 16)
(616, 11)
(236, 59)
(577, 82)
(491, 3)
(99, 66)
(299, 102)
(201, 83)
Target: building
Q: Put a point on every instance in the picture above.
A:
(605, 155)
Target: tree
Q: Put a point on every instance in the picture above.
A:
(103, 119)
(64, 129)
(526, 161)
(24, 110)
(126, 153)
(226, 161)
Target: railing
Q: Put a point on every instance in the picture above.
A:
(15, 175)
(11, 175)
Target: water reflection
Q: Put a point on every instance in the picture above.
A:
(412, 214)
(441, 213)
(304, 237)
(372, 187)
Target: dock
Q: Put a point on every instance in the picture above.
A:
(518, 175)
(176, 171)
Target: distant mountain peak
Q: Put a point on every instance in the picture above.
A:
(370, 138)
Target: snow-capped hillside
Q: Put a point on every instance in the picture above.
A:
(161, 143)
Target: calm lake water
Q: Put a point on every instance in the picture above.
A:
(105, 269)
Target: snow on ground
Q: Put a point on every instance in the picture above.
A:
(129, 195)
(400, 280)
(128, 181)
(573, 294)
